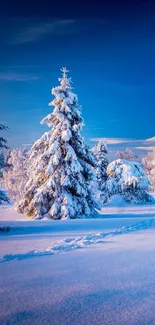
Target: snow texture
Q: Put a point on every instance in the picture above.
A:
(83, 271)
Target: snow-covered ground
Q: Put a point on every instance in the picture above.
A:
(89, 271)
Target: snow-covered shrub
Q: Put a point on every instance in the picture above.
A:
(15, 175)
(61, 165)
(128, 179)
(3, 145)
(149, 167)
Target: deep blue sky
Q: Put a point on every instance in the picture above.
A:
(109, 49)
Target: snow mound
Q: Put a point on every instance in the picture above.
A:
(116, 201)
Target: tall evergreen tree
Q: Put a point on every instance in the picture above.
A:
(3, 145)
(61, 165)
(101, 153)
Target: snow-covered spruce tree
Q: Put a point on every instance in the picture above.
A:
(61, 164)
(3, 145)
(101, 153)
(149, 167)
(15, 174)
(128, 179)
(128, 154)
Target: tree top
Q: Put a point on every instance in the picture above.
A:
(64, 72)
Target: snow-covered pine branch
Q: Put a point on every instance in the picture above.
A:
(61, 165)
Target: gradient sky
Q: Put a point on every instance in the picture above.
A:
(109, 49)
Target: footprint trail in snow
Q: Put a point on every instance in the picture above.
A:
(69, 244)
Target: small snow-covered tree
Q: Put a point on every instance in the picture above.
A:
(128, 179)
(61, 165)
(128, 154)
(149, 167)
(15, 174)
(3, 145)
(101, 153)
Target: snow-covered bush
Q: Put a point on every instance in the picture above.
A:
(149, 167)
(128, 179)
(3, 145)
(15, 175)
(61, 165)
(128, 154)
